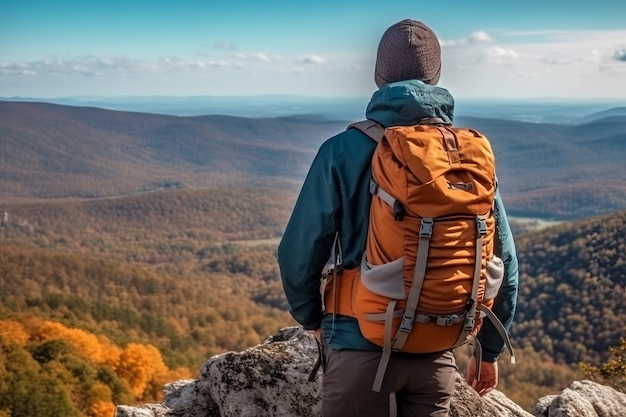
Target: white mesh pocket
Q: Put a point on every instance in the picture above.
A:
(495, 275)
(385, 280)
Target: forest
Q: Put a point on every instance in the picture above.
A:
(180, 275)
(51, 370)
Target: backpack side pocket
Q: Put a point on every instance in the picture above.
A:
(495, 275)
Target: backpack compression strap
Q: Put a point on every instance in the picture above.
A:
(409, 316)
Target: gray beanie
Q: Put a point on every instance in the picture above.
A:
(408, 50)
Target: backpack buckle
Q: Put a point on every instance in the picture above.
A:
(407, 324)
(481, 226)
(426, 228)
(373, 187)
(470, 322)
(398, 211)
(447, 320)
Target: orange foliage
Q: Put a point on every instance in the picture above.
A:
(14, 331)
(139, 364)
(142, 366)
(102, 409)
(177, 374)
(98, 350)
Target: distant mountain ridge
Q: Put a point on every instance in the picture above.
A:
(544, 110)
(48, 150)
(559, 171)
(51, 150)
(612, 112)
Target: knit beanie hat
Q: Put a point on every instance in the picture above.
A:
(408, 50)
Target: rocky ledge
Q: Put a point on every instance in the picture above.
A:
(271, 380)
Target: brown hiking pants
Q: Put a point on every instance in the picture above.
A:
(414, 385)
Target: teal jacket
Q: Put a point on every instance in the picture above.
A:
(335, 197)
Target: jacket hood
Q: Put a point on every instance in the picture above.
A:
(407, 102)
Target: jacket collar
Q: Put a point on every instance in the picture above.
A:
(407, 102)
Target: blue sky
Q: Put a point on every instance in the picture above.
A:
(491, 49)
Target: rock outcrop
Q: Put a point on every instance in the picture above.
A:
(583, 399)
(271, 380)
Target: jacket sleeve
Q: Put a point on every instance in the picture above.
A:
(307, 241)
(506, 301)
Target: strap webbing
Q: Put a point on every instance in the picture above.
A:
(451, 145)
(382, 316)
(426, 231)
(439, 319)
(477, 352)
(393, 405)
(337, 264)
(382, 194)
(386, 355)
(500, 328)
(470, 317)
(406, 325)
(371, 128)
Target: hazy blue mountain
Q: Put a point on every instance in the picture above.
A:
(546, 170)
(349, 108)
(253, 107)
(614, 111)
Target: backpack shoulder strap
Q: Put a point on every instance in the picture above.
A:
(372, 129)
(376, 131)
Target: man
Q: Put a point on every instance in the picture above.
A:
(335, 200)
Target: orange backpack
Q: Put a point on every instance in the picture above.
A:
(429, 274)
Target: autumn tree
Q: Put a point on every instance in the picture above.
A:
(139, 364)
(613, 371)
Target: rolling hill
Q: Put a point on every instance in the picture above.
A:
(50, 151)
(572, 285)
(559, 171)
(572, 300)
(59, 151)
(182, 269)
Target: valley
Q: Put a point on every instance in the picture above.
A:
(162, 231)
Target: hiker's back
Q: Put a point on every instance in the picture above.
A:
(429, 272)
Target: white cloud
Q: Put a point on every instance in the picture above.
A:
(95, 66)
(212, 64)
(313, 59)
(258, 57)
(478, 37)
(500, 55)
(546, 63)
(17, 69)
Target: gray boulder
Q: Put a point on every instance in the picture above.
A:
(583, 399)
(271, 380)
